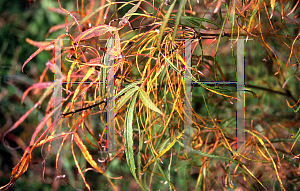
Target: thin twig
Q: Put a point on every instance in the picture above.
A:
(85, 108)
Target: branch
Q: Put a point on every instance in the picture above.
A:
(85, 108)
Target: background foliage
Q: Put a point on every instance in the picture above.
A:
(149, 69)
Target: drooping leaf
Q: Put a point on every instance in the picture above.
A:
(272, 7)
(86, 18)
(127, 15)
(47, 45)
(164, 24)
(127, 88)
(294, 8)
(171, 64)
(161, 170)
(129, 139)
(20, 168)
(47, 92)
(78, 166)
(126, 97)
(88, 157)
(253, 14)
(94, 32)
(147, 101)
(52, 137)
(270, 157)
(37, 86)
(87, 75)
(164, 151)
(178, 16)
(208, 155)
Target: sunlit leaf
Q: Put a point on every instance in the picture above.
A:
(147, 101)
(272, 7)
(52, 137)
(126, 97)
(87, 75)
(89, 157)
(127, 88)
(47, 45)
(78, 167)
(270, 157)
(94, 32)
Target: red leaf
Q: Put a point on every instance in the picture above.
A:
(94, 32)
(41, 49)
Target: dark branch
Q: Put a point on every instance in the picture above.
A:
(85, 108)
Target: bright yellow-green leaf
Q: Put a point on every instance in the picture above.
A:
(148, 103)
(126, 97)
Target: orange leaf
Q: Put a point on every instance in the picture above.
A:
(57, 27)
(20, 120)
(51, 138)
(38, 86)
(295, 7)
(18, 170)
(94, 32)
(272, 7)
(48, 45)
(89, 158)
(78, 167)
(88, 74)
(291, 106)
(41, 49)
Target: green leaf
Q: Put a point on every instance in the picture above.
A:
(169, 168)
(161, 170)
(162, 75)
(126, 97)
(139, 160)
(147, 101)
(297, 134)
(127, 88)
(296, 110)
(271, 158)
(129, 140)
(171, 64)
(197, 19)
(188, 25)
(178, 16)
(127, 16)
(208, 155)
(163, 25)
(253, 14)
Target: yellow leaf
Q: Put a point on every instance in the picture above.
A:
(88, 157)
